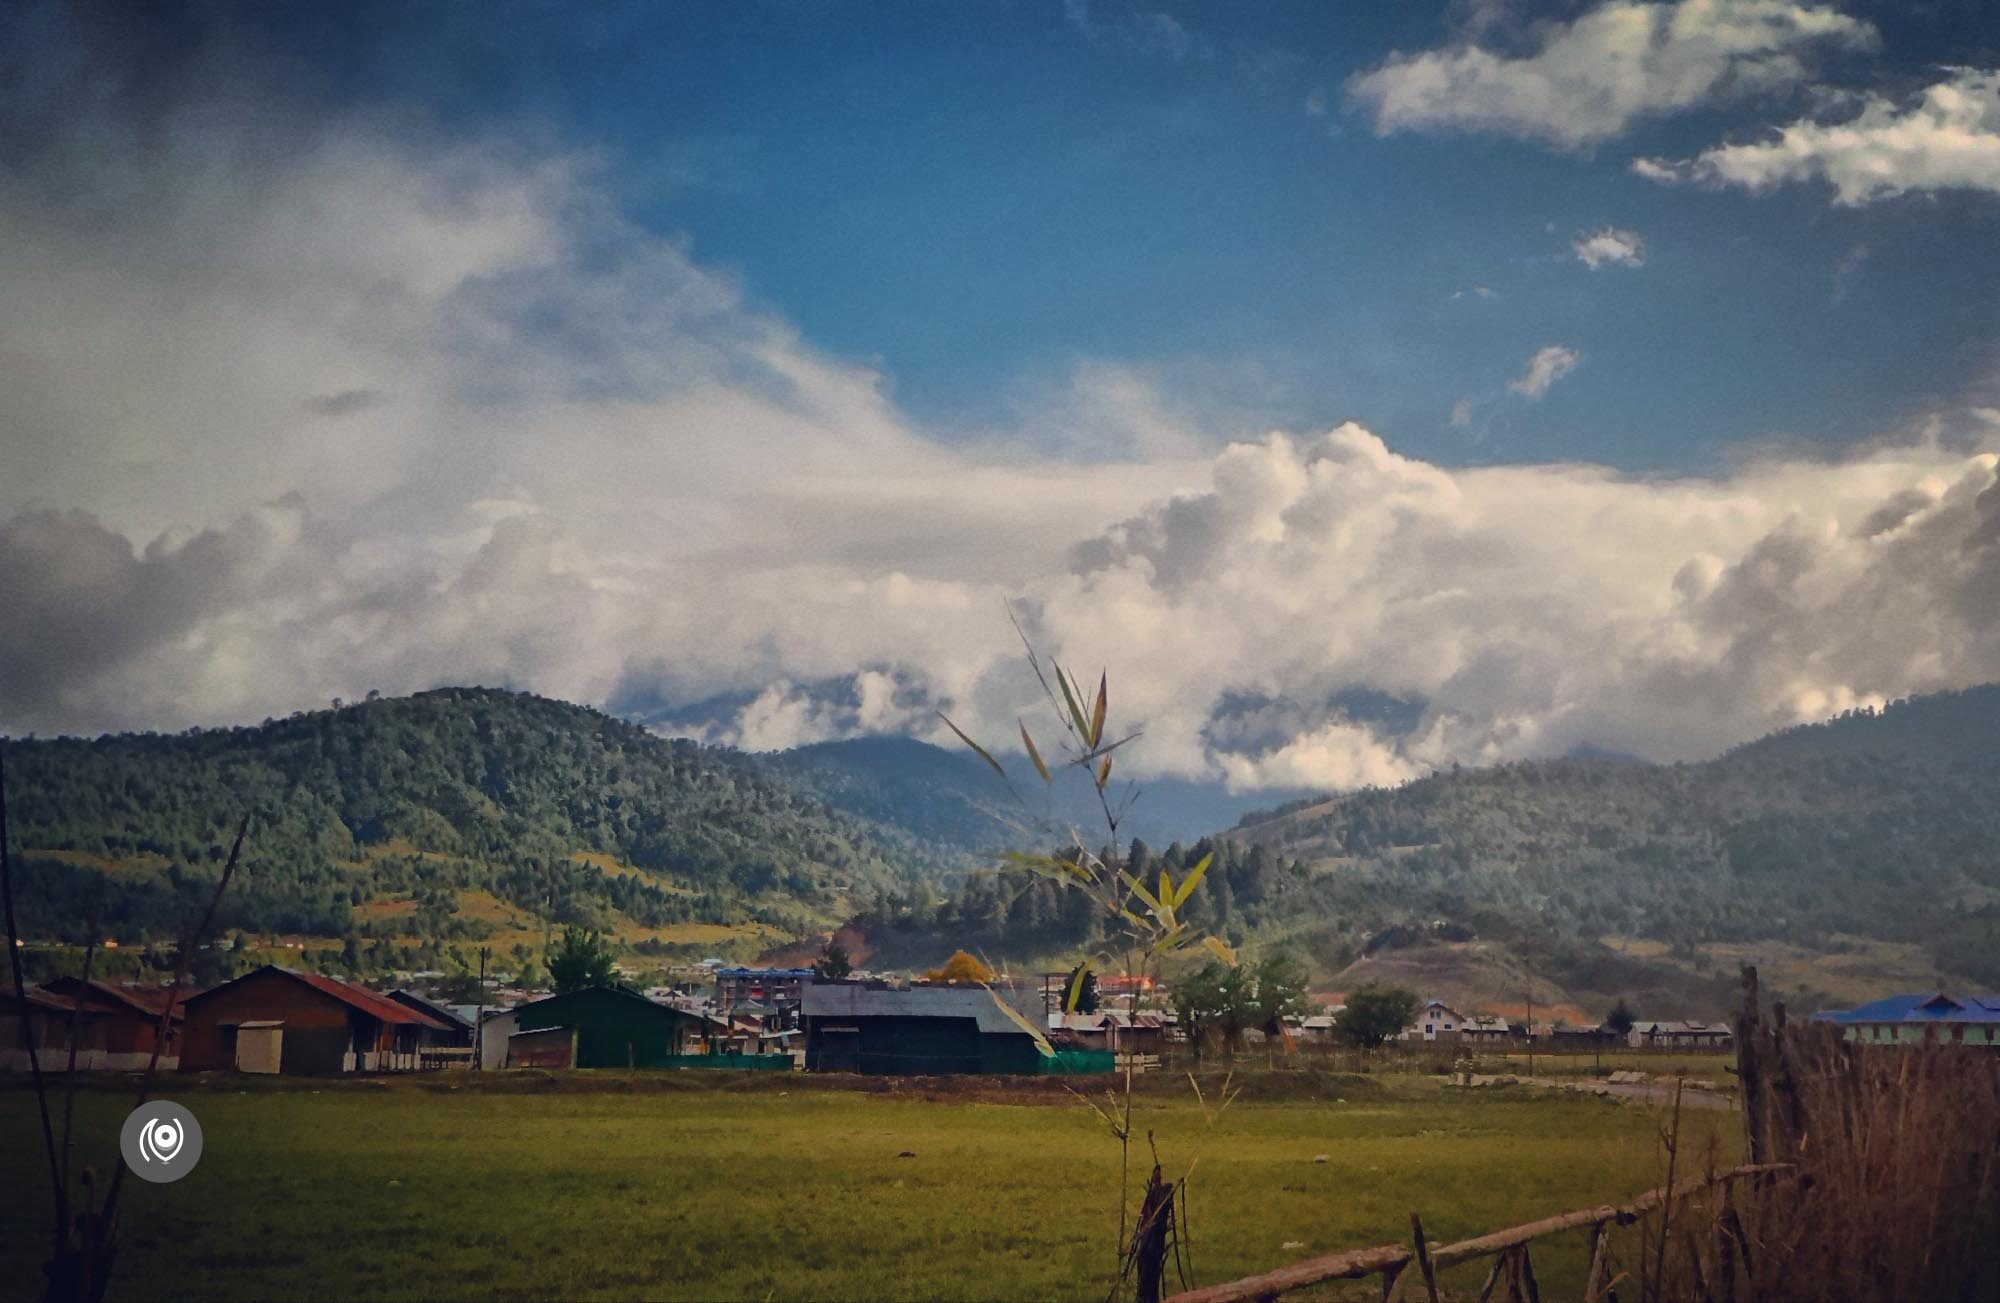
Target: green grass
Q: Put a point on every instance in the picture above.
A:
(697, 1190)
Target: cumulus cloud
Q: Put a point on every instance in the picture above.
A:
(349, 407)
(1609, 247)
(1947, 139)
(1529, 609)
(1549, 364)
(1574, 84)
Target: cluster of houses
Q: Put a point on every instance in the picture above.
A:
(284, 1020)
(1438, 1021)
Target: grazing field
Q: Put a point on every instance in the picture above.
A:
(686, 1186)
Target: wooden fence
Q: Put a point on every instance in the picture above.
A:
(1508, 1248)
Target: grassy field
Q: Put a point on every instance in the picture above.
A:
(684, 1186)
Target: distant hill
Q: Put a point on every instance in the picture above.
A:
(385, 818)
(950, 797)
(1883, 826)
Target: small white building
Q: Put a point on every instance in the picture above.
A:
(493, 1034)
(1436, 1021)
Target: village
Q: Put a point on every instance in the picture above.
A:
(277, 1020)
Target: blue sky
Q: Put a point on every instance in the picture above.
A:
(973, 198)
(1603, 373)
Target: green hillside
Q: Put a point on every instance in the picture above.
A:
(451, 815)
(1878, 825)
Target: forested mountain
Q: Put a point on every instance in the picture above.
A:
(949, 798)
(1882, 824)
(556, 812)
(464, 815)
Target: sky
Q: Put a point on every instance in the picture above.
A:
(1362, 388)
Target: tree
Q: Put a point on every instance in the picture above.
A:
(1374, 1014)
(833, 962)
(580, 960)
(1087, 994)
(961, 967)
(1214, 1002)
(1620, 1018)
(1278, 992)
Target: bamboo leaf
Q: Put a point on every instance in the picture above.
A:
(1220, 948)
(1075, 710)
(1074, 996)
(1033, 754)
(1166, 888)
(1191, 880)
(1139, 888)
(1097, 712)
(1103, 773)
(983, 753)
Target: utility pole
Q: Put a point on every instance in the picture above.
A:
(479, 1027)
(1531, 1031)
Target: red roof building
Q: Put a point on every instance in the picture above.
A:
(322, 1026)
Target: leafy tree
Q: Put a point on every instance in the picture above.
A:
(1374, 1014)
(1087, 997)
(833, 962)
(580, 960)
(1278, 991)
(1213, 1004)
(961, 967)
(1620, 1018)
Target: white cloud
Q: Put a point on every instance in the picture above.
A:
(1549, 364)
(1609, 247)
(1534, 608)
(1149, 33)
(1948, 139)
(1588, 80)
(1662, 171)
(1461, 413)
(262, 453)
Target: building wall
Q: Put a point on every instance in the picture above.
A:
(614, 1030)
(893, 1045)
(315, 1022)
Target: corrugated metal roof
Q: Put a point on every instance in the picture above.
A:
(355, 997)
(149, 1001)
(424, 1004)
(854, 1000)
(1918, 1007)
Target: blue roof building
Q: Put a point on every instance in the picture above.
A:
(1911, 1019)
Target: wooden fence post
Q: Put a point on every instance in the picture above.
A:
(1750, 1067)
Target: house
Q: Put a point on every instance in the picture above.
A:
(48, 1022)
(1488, 1029)
(874, 1028)
(319, 1025)
(1680, 1035)
(1318, 1029)
(491, 1039)
(1436, 1021)
(1603, 1038)
(1915, 1018)
(778, 988)
(614, 1028)
(120, 1027)
(458, 1029)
